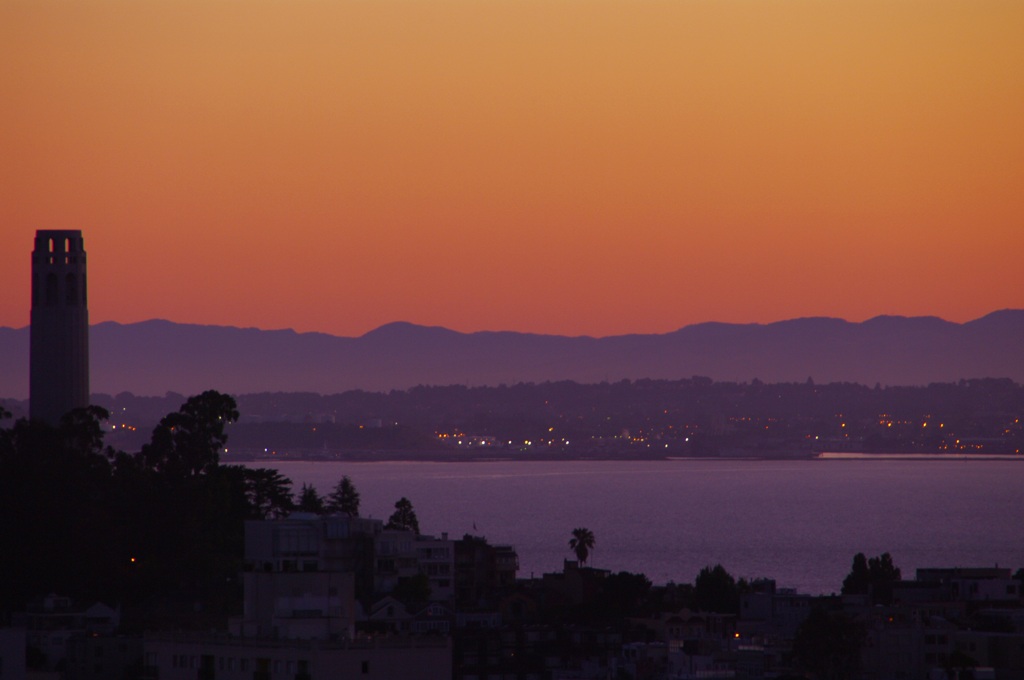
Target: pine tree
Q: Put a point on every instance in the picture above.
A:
(404, 517)
(344, 498)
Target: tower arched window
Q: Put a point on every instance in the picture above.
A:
(71, 289)
(51, 289)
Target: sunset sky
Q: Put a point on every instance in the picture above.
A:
(555, 166)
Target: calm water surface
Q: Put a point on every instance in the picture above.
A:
(799, 522)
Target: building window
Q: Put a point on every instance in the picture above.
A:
(51, 289)
(70, 289)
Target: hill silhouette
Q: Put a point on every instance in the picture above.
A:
(153, 357)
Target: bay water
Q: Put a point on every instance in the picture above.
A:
(799, 522)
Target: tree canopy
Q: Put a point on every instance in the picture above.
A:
(715, 590)
(404, 517)
(154, 532)
(310, 501)
(582, 543)
(344, 498)
(188, 441)
(268, 492)
(873, 577)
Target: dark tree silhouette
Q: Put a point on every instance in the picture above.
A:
(183, 515)
(715, 590)
(188, 442)
(81, 430)
(858, 581)
(884, 574)
(873, 577)
(269, 493)
(310, 501)
(344, 498)
(582, 543)
(622, 594)
(157, 533)
(5, 435)
(6, 440)
(404, 517)
(58, 510)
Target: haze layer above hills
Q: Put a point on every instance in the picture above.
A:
(154, 357)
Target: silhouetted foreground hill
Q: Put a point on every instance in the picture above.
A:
(154, 357)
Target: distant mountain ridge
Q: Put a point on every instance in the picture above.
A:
(157, 356)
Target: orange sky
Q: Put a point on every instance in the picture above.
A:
(558, 166)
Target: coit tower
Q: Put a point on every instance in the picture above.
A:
(59, 346)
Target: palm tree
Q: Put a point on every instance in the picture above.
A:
(581, 543)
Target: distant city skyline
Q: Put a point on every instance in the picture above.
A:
(596, 168)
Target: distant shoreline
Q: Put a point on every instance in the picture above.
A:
(827, 455)
(493, 456)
